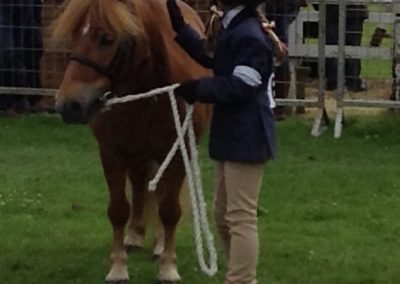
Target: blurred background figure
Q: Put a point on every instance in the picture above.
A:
(20, 52)
(395, 96)
(376, 39)
(283, 13)
(355, 16)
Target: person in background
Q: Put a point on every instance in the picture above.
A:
(11, 61)
(242, 136)
(20, 52)
(395, 95)
(32, 38)
(376, 39)
(355, 16)
(283, 13)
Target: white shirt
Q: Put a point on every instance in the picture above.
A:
(228, 17)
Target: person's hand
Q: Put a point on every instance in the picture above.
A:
(175, 15)
(187, 90)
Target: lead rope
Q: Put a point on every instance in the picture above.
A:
(202, 232)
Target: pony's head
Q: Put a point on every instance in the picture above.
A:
(101, 35)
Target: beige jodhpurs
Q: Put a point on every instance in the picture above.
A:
(237, 187)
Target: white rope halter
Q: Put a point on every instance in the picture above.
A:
(199, 206)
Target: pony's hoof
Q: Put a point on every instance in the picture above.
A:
(132, 249)
(155, 257)
(117, 281)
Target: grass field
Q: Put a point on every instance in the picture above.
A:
(331, 207)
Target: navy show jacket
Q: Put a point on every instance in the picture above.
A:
(243, 123)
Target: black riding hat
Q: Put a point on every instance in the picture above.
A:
(251, 3)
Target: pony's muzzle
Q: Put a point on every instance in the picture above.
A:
(81, 109)
(74, 112)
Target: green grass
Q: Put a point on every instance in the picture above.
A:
(376, 68)
(331, 207)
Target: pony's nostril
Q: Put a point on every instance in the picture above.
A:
(72, 112)
(74, 107)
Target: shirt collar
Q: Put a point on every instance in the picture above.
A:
(230, 15)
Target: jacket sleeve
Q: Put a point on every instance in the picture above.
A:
(253, 60)
(193, 44)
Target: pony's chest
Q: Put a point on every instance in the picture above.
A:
(138, 129)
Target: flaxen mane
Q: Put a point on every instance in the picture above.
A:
(111, 14)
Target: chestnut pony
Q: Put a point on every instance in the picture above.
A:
(127, 47)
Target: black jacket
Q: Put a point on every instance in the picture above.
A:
(243, 124)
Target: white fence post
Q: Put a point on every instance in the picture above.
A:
(396, 45)
(321, 118)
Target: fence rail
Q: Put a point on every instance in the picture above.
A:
(383, 13)
(28, 91)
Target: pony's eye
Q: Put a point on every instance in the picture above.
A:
(105, 41)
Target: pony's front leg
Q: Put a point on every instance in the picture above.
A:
(141, 198)
(118, 213)
(168, 192)
(137, 222)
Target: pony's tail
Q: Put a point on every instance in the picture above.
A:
(281, 51)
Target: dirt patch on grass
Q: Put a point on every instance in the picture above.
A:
(376, 90)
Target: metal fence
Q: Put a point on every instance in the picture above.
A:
(353, 42)
(322, 43)
(29, 65)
